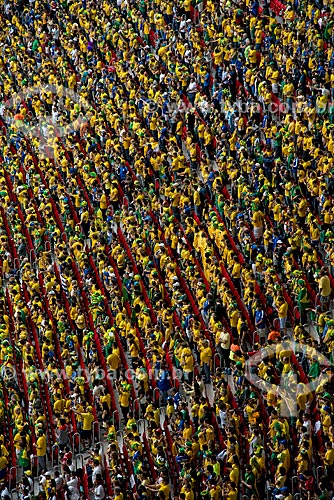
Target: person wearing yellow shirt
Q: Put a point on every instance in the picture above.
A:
(257, 220)
(87, 419)
(215, 490)
(188, 492)
(3, 466)
(329, 456)
(186, 8)
(114, 361)
(105, 401)
(179, 132)
(252, 56)
(59, 405)
(205, 360)
(282, 310)
(114, 195)
(274, 78)
(187, 431)
(235, 471)
(233, 316)
(124, 400)
(162, 488)
(325, 289)
(288, 93)
(232, 491)
(133, 349)
(302, 461)
(168, 12)
(200, 131)
(236, 273)
(187, 364)
(118, 493)
(41, 450)
(163, 50)
(232, 142)
(103, 205)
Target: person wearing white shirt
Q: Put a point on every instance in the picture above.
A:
(72, 493)
(224, 343)
(73, 481)
(192, 90)
(99, 493)
(4, 491)
(59, 480)
(97, 471)
(42, 482)
(72, 487)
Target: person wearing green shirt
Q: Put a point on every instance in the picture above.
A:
(303, 301)
(250, 481)
(314, 370)
(35, 45)
(278, 144)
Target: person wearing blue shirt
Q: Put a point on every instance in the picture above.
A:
(217, 98)
(255, 8)
(206, 308)
(260, 322)
(122, 172)
(206, 84)
(162, 138)
(209, 182)
(163, 382)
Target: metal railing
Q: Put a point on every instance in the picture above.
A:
(79, 457)
(76, 442)
(34, 465)
(115, 418)
(12, 479)
(216, 364)
(293, 480)
(296, 310)
(125, 201)
(120, 435)
(96, 434)
(156, 395)
(54, 455)
(32, 257)
(321, 468)
(142, 421)
(136, 407)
